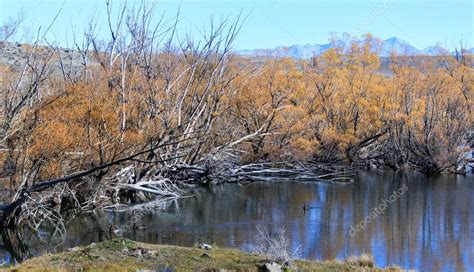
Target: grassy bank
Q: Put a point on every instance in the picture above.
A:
(126, 255)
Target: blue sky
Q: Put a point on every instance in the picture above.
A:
(279, 22)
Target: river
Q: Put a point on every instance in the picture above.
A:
(425, 223)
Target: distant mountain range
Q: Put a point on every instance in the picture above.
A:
(384, 48)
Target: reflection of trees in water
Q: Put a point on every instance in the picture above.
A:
(21, 244)
(424, 226)
(13, 244)
(430, 226)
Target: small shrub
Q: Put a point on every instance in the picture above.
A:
(366, 260)
(274, 245)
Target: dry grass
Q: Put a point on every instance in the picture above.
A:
(126, 255)
(366, 260)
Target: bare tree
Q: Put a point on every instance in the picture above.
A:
(10, 26)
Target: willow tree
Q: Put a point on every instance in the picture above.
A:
(433, 113)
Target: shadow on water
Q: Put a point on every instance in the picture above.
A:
(429, 227)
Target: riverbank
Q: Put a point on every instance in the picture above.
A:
(127, 255)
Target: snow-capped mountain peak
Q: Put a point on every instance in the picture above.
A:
(385, 48)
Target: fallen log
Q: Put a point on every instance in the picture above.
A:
(147, 180)
(11, 211)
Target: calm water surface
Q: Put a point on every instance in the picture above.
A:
(430, 227)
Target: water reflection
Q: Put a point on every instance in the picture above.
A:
(430, 227)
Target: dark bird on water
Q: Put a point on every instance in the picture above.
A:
(306, 207)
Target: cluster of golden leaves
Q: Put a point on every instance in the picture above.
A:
(324, 108)
(333, 104)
